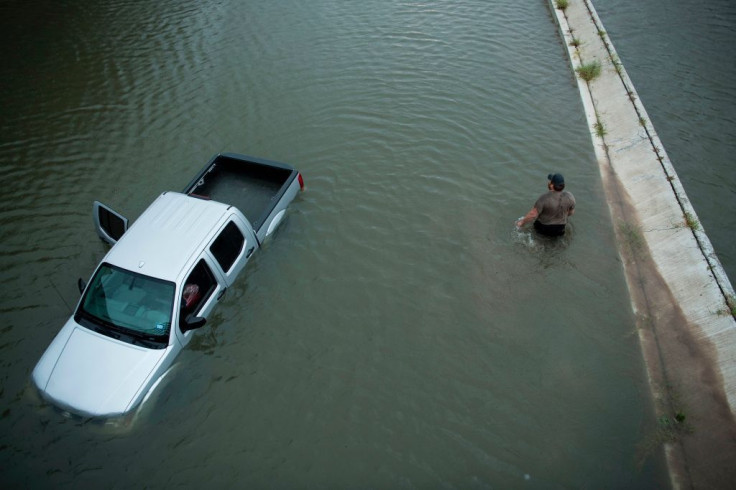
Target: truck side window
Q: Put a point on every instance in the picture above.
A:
(227, 247)
(198, 287)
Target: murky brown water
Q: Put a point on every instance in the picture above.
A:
(396, 332)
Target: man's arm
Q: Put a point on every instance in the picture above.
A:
(571, 211)
(528, 218)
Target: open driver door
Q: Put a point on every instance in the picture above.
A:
(109, 224)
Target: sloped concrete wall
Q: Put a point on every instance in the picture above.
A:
(680, 293)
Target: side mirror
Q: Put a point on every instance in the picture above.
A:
(81, 285)
(193, 322)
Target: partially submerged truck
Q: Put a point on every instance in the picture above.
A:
(159, 282)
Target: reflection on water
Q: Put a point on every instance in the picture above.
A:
(544, 245)
(395, 331)
(545, 251)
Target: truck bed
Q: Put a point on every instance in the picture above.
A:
(253, 185)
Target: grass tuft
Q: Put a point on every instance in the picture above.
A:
(600, 129)
(730, 307)
(692, 222)
(561, 4)
(631, 234)
(617, 65)
(589, 71)
(670, 428)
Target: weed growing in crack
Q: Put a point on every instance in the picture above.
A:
(600, 129)
(589, 71)
(670, 429)
(692, 222)
(631, 235)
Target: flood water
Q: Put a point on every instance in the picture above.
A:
(396, 332)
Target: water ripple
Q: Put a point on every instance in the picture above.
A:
(393, 332)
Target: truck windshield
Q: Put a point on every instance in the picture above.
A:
(128, 306)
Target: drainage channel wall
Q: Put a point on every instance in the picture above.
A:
(679, 291)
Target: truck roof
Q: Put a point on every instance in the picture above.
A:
(163, 240)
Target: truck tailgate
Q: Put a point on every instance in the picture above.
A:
(255, 186)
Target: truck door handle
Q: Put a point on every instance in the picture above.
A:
(249, 252)
(221, 294)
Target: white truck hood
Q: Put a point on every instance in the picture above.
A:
(93, 375)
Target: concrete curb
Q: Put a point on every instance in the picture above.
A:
(680, 292)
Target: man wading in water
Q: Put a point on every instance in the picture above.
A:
(551, 210)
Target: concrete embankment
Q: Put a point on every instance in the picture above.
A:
(680, 293)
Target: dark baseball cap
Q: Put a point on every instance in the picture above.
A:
(556, 179)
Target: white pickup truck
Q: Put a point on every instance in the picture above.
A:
(159, 282)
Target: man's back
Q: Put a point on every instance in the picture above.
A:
(554, 207)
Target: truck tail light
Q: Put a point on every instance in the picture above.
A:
(301, 181)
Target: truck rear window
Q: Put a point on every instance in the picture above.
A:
(227, 246)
